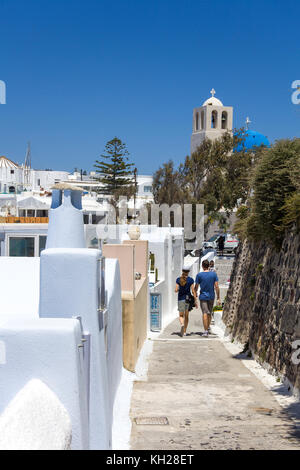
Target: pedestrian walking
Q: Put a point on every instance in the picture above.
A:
(184, 287)
(212, 269)
(212, 266)
(221, 243)
(209, 284)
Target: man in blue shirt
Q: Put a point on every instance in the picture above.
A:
(209, 283)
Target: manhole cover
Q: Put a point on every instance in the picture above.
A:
(160, 420)
(264, 411)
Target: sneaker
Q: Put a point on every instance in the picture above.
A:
(182, 331)
(185, 334)
(205, 334)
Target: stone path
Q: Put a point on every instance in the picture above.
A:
(211, 400)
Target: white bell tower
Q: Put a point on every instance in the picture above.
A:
(210, 121)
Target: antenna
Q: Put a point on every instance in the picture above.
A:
(27, 165)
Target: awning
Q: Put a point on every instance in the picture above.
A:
(33, 204)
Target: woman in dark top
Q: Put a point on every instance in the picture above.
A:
(184, 285)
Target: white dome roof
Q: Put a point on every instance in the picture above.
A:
(213, 102)
(7, 163)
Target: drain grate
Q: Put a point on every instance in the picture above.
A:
(159, 420)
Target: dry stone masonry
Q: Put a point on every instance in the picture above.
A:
(262, 307)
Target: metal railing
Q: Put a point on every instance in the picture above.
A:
(24, 220)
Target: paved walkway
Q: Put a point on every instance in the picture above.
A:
(211, 400)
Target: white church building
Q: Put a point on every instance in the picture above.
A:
(210, 121)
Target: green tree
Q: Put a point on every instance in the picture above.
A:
(167, 185)
(217, 176)
(115, 173)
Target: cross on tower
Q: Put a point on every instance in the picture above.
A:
(213, 92)
(247, 122)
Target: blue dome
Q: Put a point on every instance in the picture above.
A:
(252, 139)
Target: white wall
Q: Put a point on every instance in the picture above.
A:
(46, 349)
(35, 420)
(19, 286)
(169, 259)
(70, 280)
(114, 326)
(47, 178)
(193, 263)
(58, 325)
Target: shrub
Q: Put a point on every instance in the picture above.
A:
(275, 201)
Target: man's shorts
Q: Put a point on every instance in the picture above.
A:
(182, 306)
(207, 306)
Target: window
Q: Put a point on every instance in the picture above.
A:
(147, 189)
(39, 182)
(214, 119)
(224, 120)
(42, 243)
(197, 121)
(42, 213)
(202, 119)
(21, 246)
(25, 246)
(12, 172)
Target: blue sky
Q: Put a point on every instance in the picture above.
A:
(80, 72)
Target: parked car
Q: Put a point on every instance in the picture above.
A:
(230, 244)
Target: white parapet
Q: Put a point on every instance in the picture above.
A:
(35, 420)
(46, 349)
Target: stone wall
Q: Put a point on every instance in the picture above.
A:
(262, 307)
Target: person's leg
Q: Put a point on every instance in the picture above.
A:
(210, 305)
(181, 321)
(186, 320)
(181, 309)
(212, 319)
(205, 313)
(206, 321)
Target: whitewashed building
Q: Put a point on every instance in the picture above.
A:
(15, 178)
(60, 339)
